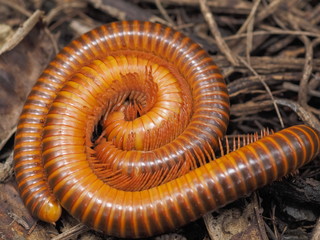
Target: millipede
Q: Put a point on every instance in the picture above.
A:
(121, 129)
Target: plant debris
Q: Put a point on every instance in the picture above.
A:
(268, 51)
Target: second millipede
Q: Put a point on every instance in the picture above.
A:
(121, 129)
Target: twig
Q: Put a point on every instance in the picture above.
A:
(72, 232)
(239, 7)
(62, 7)
(270, 65)
(303, 90)
(125, 10)
(270, 232)
(266, 87)
(16, 7)
(295, 88)
(305, 115)
(250, 38)
(260, 222)
(164, 13)
(308, 65)
(273, 32)
(19, 220)
(208, 16)
(274, 225)
(307, 70)
(300, 22)
(251, 107)
(250, 17)
(269, 10)
(246, 84)
(21, 32)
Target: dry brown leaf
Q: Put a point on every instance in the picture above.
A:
(19, 69)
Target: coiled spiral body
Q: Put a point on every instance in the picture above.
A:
(120, 130)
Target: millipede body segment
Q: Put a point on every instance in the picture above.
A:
(121, 128)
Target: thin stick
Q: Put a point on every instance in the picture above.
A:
(164, 13)
(273, 32)
(304, 114)
(250, 17)
(269, 10)
(266, 87)
(295, 88)
(21, 32)
(249, 24)
(208, 16)
(72, 232)
(303, 90)
(16, 7)
(249, 38)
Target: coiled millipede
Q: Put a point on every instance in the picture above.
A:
(120, 130)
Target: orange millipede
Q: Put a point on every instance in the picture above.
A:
(121, 128)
